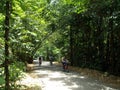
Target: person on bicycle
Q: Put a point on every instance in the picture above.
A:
(51, 60)
(65, 64)
(40, 61)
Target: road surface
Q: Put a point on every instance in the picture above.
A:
(54, 78)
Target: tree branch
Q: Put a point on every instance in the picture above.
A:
(37, 47)
(2, 65)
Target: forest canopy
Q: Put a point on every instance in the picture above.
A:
(85, 31)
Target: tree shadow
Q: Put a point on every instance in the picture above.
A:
(71, 80)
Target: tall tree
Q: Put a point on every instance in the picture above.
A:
(7, 28)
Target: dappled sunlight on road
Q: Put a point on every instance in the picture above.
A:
(55, 81)
(53, 78)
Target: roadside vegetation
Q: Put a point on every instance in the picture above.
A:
(85, 31)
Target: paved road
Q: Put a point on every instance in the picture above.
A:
(53, 78)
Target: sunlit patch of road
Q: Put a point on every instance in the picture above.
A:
(53, 78)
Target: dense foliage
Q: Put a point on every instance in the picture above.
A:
(94, 34)
(85, 31)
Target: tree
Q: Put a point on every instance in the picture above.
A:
(93, 26)
(7, 28)
(30, 29)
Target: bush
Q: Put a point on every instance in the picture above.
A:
(16, 73)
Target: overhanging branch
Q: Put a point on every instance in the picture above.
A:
(38, 46)
(2, 65)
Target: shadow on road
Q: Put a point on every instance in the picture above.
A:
(54, 78)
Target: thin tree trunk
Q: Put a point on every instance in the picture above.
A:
(71, 46)
(100, 44)
(7, 25)
(111, 41)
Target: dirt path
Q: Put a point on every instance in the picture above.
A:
(53, 78)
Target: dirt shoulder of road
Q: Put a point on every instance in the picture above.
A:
(103, 77)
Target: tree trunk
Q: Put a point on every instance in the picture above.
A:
(71, 46)
(107, 52)
(111, 44)
(7, 26)
(100, 44)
